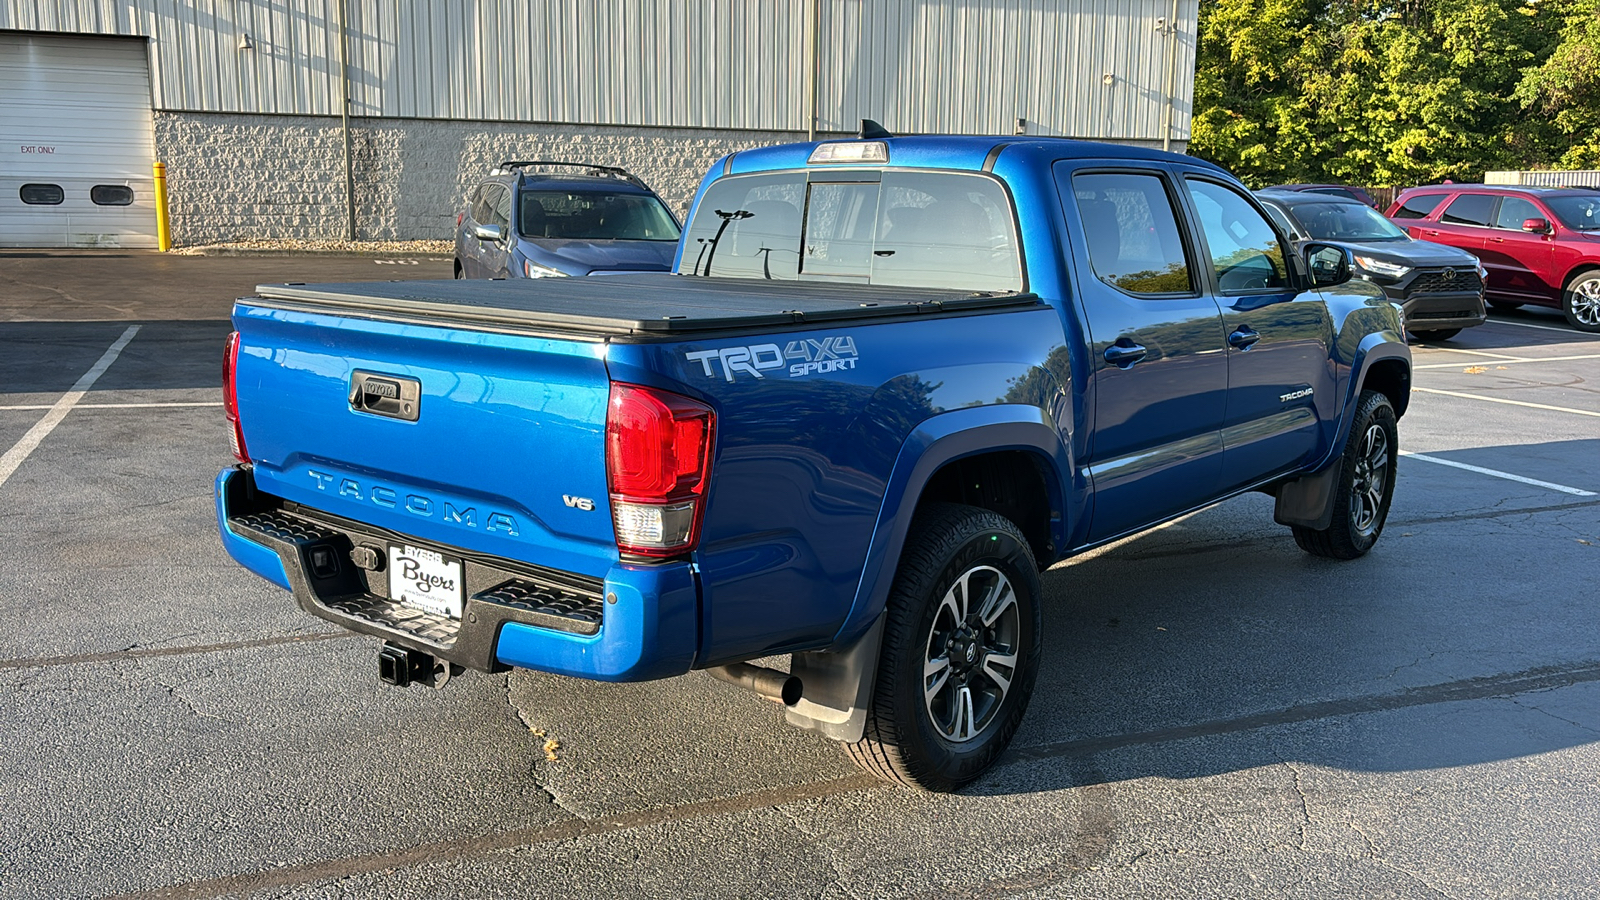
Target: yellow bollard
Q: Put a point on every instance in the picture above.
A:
(163, 226)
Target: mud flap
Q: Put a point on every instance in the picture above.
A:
(837, 687)
(1308, 502)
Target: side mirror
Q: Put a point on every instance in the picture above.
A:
(492, 233)
(1328, 264)
(1536, 226)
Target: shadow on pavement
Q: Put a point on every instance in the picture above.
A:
(50, 357)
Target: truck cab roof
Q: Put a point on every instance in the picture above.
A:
(970, 152)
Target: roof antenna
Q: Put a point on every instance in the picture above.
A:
(872, 131)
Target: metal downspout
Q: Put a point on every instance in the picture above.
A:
(814, 69)
(1172, 75)
(344, 125)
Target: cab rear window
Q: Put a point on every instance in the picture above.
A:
(912, 229)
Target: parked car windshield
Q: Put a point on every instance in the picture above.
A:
(910, 229)
(1577, 213)
(1344, 222)
(594, 216)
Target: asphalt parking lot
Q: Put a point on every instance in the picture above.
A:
(1218, 715)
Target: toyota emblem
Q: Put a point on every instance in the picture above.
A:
(1449, 274)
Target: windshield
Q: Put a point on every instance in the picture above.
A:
(1344, 222)
(594, 216)
(911, 229)
(1578, 213)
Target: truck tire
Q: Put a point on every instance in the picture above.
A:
(961, 647)
(1366, 484)
(1581, 301)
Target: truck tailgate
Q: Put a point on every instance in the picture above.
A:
(489, 441)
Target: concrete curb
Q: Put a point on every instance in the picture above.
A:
(358, 254)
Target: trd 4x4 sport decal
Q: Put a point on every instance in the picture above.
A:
(807, 357)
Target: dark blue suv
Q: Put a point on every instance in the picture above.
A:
(524, 224)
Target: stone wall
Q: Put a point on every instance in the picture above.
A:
(233, 177)
(236, 176)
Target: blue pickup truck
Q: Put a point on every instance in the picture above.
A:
(888, 381)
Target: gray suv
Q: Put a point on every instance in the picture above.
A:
(520, 223)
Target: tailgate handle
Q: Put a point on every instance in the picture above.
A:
(385, 395)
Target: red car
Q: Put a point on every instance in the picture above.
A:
(1539, 245)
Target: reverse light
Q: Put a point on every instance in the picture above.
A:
(534, 270)
(1380, 267)
(837, 152)
(230, 398)
(658, 461)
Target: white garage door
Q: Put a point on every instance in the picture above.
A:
(77, 143)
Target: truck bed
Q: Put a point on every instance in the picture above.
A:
(657, 303)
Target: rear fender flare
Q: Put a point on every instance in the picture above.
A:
(837, 683)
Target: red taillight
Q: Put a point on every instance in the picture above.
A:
(230, 398)
(658, 460)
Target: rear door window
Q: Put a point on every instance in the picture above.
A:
(1132, 233)
(1469, 209)
(499, 206)
(1418, 207)
(480, 205)
(1514, 211)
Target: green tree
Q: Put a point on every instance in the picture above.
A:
(1373, 93)
(1565, 87)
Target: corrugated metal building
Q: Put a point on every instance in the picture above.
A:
(242, 98)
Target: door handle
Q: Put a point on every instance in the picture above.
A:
(1124, 353)
(1429, 232)
(1498, 240)
(1244, 337)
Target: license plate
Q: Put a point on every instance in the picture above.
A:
(425, 580)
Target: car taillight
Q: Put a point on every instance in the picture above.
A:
(230, 398)
(658, 461)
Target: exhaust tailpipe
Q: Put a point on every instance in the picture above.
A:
(779, 687)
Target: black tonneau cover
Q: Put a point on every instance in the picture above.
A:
(647, 303)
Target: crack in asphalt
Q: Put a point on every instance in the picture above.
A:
(1542, 711)
(536, 754)
(1302, 827)
(133, 651)
(1094, 832)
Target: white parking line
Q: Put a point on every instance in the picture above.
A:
(116, 405)
(1568, 330)
(1500, 356)
(1511, 360)
(1565, 409)
(1496, 473)
(58, 411)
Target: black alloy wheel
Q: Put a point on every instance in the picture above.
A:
(960, 653)
(1366, 484)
